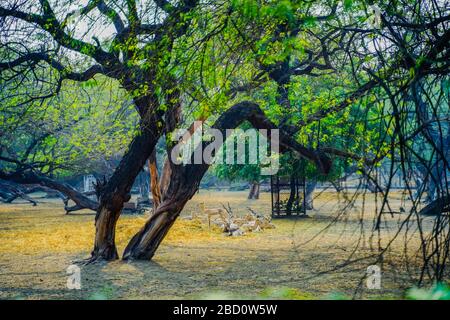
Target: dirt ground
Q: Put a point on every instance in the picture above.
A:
(323, 256)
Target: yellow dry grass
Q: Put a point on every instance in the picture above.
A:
(45, 229)
(38, 243)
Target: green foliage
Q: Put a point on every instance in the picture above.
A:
(225, 46)
(72, 133)
(239, 172)
(439, 291)
(270, 293)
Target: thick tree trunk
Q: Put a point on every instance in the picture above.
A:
(154, 180)
(165, 177)
(116, 191)
(184, 183)
(436, 189)
(105, 233)
(145, 243)
(167, 168)
(258, 187)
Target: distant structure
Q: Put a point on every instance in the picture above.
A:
(88, 183)
(88, 186)
(288, 196)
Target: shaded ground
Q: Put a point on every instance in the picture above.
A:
(301, 258)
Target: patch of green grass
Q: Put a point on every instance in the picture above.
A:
(105, 293)
(439, 291)
(286, 293)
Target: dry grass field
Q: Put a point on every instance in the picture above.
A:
(323, 256)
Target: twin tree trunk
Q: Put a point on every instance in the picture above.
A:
(182, 185)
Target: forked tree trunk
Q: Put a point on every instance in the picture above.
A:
(185, 180)
(184, 183)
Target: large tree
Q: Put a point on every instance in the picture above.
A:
(137, 55)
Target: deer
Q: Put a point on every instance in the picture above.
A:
(211, 212)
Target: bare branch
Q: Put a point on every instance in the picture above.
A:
(34, 58)
(49, 23)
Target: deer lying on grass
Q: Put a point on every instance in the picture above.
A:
(252, 222)
(233, 226)
(209, 212)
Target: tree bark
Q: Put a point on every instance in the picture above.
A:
(165, 177)
(258, 187)
(167, 168)
(183, 184)
(154, 180)
(116, 191)
(145, 243)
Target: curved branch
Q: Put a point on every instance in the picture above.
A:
(436, 207)
(112, 15)
(80, 199)
(37, 57)
(232, 118)
(49, 23)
